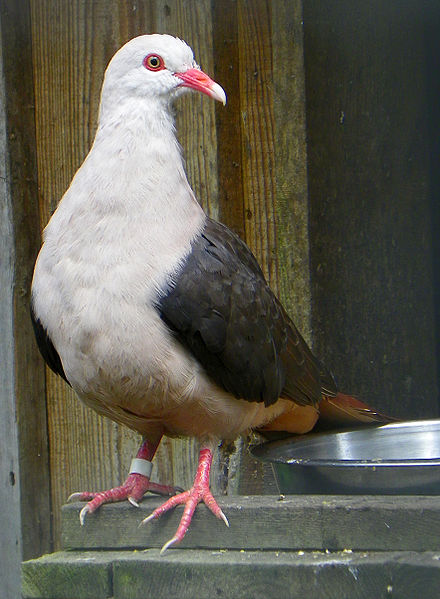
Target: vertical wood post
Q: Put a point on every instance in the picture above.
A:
(25, 482)
(10, 518)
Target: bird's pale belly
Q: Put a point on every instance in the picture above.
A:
(142, 377)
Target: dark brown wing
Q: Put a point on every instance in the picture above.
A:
(222, 309)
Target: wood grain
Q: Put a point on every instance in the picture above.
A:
(196, 113)
(232, 574)
(30, 407)
(227, 73)
(10, 515)
(263, 192)
(290, 173)
(257, 130)
(295, 522)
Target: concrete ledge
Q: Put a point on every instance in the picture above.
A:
(300, 522)
(231, 574)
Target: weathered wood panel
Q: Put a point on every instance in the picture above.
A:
(336, 546)
(230, 172)
(371, 222)
(290, 175)
(29, 389)
(10, 517)
(257, 133)
(295, 522)
(232, 575)
(269, 129)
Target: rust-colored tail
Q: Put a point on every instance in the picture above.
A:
(339, 411)
(345, 410)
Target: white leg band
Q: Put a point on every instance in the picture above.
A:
(141, 466)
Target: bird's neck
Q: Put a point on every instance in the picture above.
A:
(136, 163)
(131, 189)
(139, 140)
(141, 118)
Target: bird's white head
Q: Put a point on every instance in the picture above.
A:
(157, 67)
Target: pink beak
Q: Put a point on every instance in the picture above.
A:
(198, 80)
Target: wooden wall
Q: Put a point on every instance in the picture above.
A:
(370, 83)
(10, 519)
(351, 259)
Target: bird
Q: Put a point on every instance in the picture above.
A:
(158, 316)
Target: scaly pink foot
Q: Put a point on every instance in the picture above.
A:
(133, 489)
(199, 492)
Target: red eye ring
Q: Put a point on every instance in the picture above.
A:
(153, 62)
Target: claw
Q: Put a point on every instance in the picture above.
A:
(133, 501)
(168, 544)
(74, 497)
(223, 517)
(83, 513)
(147, 519)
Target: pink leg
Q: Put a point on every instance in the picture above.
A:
(199, 492)
(133, 489)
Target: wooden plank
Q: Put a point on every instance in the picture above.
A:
(30, 406)
(227, 73)
(298, 522)
(290, 175)
(72, 43)
(10, 519)
(258, 575)
(137, 18)
(69, 576)
(195, 121)
(257, 131)
(371, 221)
(232, 575)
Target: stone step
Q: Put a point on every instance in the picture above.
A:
(232, 574)
(300, 522)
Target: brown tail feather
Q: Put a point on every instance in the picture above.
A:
(340, 411)
(345, 410)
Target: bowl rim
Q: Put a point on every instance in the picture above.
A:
(422, 462)
(256, 451)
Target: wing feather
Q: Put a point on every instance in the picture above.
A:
(222, 309)
(46, 347)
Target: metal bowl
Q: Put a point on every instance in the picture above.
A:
(395, 459)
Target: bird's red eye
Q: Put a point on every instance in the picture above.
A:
(153, 62)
